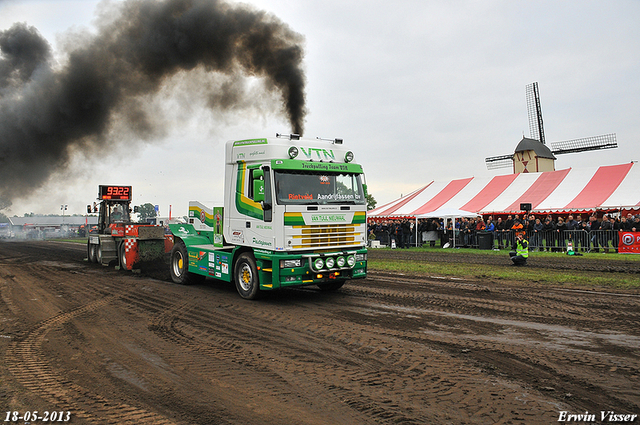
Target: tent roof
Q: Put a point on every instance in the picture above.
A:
(606, 187)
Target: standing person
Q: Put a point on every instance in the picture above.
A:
(406, 234)
(433, 228)
(518, 226)
(594, 227)
(606, 228)
(393, 236)
(624, 224)
(571, 226)
(500, 232)
(508, 233)
(520, 251)
(571, 223)
(583, 236)
(635, 227)
(616, 228)
(538, 229)
(549, 228)
(465, 229)
(628, 223)
(560, 232)
(529, 227)
(490, 227)
(423, 228)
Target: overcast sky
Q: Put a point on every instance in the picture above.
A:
(420, 90)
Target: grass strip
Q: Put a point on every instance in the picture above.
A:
(508, 273)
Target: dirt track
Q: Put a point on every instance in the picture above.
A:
(112, 347)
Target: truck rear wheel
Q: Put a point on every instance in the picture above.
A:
(246, 277)
(179, 266)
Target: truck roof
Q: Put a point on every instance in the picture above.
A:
(303, 149)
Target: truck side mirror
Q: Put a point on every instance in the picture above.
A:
(258, 185)
(89, 209)
(258, 190)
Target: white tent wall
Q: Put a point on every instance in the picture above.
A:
(568, 189)
(623, 196)
(513, 192)
(410, 207)
(467, 193)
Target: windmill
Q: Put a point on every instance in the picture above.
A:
(532, 155)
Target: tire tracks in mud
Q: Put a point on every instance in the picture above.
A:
(386, 349)
(535, 338)
(27, 364)
(31, 368)
(371, 372)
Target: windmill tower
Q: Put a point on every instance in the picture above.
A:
(532, 155)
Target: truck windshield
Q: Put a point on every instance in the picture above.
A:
(309, 188)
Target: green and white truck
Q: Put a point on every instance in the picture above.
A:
(294, 214)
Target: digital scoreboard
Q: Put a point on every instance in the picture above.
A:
(114, 192)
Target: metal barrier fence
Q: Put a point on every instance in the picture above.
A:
(553, 240)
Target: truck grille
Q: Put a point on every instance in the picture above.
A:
(327, 235)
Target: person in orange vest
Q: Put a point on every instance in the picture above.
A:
(517, 227)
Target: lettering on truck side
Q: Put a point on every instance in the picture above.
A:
(326, 218)
(261, 243)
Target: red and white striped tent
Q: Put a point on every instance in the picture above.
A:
(608, 188)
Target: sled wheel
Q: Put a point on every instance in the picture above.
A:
(123, 257)
(92, 254)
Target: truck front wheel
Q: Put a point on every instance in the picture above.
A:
(246, 277)
(179, 266)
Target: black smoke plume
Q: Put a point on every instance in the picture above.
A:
(47, 112)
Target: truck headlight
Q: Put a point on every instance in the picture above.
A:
(330, 262)
(341, 261)
(293, 152)
(348, 157)
(351, 261)
(361, 257)
(318, 263)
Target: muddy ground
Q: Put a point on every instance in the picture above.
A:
(110, 346)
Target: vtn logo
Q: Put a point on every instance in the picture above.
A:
(320, 153)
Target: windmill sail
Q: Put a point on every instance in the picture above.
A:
(536, 129)
(534, 110)
(606, 141)
(502, 161)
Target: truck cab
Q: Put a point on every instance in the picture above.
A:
(294, 214)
